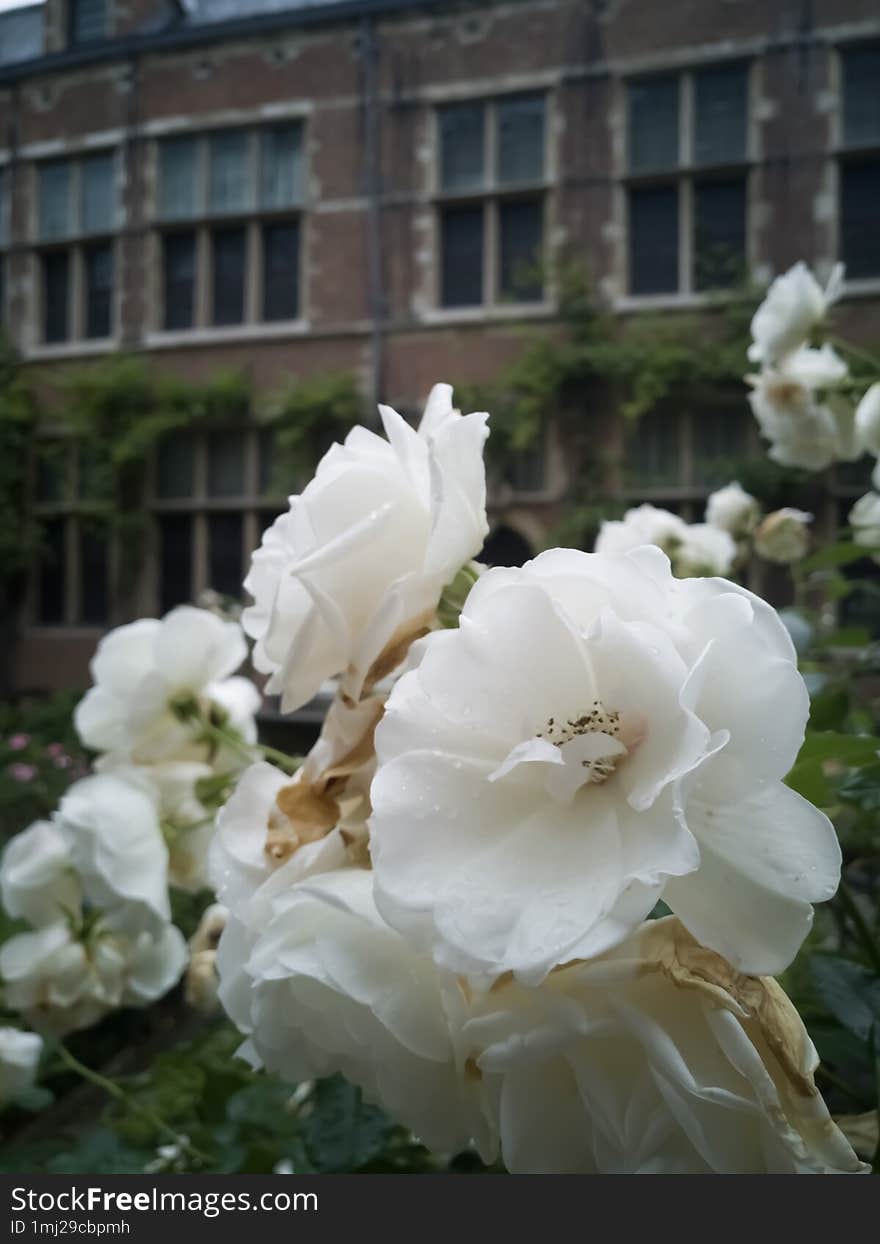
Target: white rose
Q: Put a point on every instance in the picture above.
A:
(143, 672)
(654, 1059)
(705, 550)
(19, 1058)
(37, 880)
(784, 536)
(800, 410)
(358, 563)
(868, 421)
(111, 825)
(794, 304)
(645, 524)
(864, 518)
(733, 510)
(61, 982)
(597, 734)
(327, 987)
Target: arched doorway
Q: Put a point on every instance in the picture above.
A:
(505, 547)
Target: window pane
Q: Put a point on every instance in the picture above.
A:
(280, 271)
(99, 290)
(175, 560)
(98, 194)
(52, 465)
(653, 123)
(462, 146)
(281, 171)
(93, 573)
(92, 482)
(179, 275)
(230, 184)
(462, 277)
(226, 451)
(527, 468)
(861, 96)
(54, 191)
(654, 454)
(4, 205)
(228, 248)
(521, 236)
(719, 233)
(225, 569)
(56, 287)
(178, 178)
(720, 443)
(53, 572)
(175, 464)
(87, 20)
(653, 240)
(520, 139)
(859, 235)
(720, 107)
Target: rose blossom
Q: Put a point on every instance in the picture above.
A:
(794, 304)
(597, 734)
(355, 568)
(784, 536)
(733, 510)
(19, 1058)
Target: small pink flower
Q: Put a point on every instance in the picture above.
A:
(23, 773)
(61, 762)
(55, 749)
(19, 742)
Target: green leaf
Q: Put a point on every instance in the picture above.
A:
(808, 779)
(344, 1133)
(832, 555)
(850, 992)
(849, 749)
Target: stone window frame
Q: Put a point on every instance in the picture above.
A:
(75, 244)
(254, 504)
(683, 177)
(841, 153)
(252, 219)
(490, 195)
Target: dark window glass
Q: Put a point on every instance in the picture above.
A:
(720, 108)
(520, 120)
(53, 571)
(462, 146)
(861, 96)
(179, 260)
(653, 124)
(281, 171)
(52, 461)
(228, 247)
(654, 453)
(178, 178)
(93, 569)
(719, 233)
(527, 468)
(462, 283)
(720, 442)
(225, 571)
(859, 235)
(92, 483)
(226, 464)
(99, 290)
(97, 194)
(175, 554)
(280, 271)
(653, 240)
(175, 466)
(56, 296)
(87, 20)
(3, 290)
(55, 181)
(521, 235)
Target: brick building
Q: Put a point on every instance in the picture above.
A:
(380, 186)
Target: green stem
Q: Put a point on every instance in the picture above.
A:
(856, 352)
(860, 924)
(116, 1091)
(248, 751)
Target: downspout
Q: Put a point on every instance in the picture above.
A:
(372, 181)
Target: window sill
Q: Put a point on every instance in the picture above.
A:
(667, 302)
(216, 336)
(864, 287)
(72, 349)
(484, 314)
